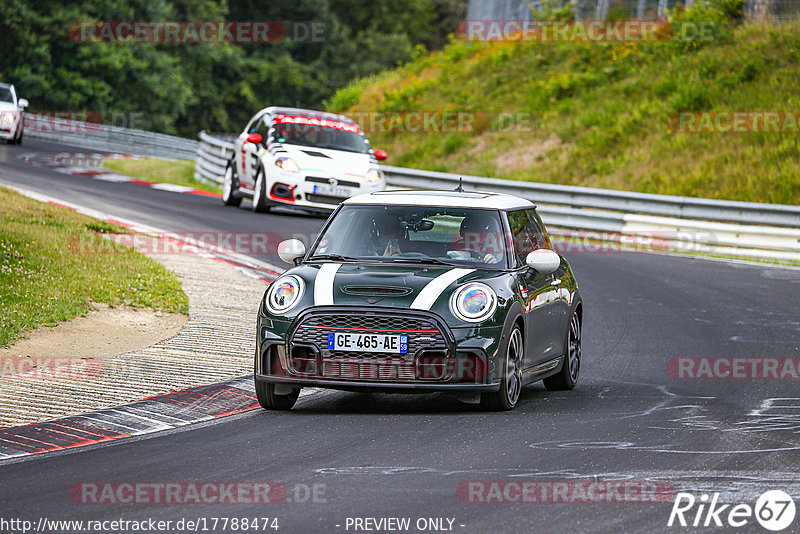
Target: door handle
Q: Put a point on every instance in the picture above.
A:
(556, 282)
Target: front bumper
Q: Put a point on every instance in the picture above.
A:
(8, 130)
(314, 191)
(398, 387)
(439, 358)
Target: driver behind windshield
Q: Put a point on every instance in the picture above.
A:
(480, 238)
(385, 238)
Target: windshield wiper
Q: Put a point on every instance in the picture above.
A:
(432, 261)
(335, 257)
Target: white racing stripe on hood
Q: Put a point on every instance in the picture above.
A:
(323, 284)
(435, 287)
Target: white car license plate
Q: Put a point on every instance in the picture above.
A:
(397, 344)
(332, 190)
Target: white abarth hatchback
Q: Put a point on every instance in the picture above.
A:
(303, 158)
(12, 114)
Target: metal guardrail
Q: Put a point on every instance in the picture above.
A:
(108, 138)
(693, 224)
(213, 155)
(607, 199)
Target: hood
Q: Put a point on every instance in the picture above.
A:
(323, 160)
(427, 288)
(8, 106)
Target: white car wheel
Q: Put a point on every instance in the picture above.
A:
(230, 187)
(260, 204)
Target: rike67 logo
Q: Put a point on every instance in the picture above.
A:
(774, 510)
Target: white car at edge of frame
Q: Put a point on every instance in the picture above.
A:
(301, 158)
(12, 115)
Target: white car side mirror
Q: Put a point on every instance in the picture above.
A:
(291, 249)
(22, 103)
(543, 261)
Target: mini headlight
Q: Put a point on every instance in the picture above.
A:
(373, 175)
(284, 294)
(8, 118)
(473, 302)
(287, 164)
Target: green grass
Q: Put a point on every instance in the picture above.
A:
(50, 269)
(598, 114)
(179, 172)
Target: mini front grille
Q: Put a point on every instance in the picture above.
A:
(427, 344)
(374, 321)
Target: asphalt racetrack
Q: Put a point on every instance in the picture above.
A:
(642, 412)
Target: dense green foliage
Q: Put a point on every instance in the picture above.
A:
(603, 114)
(182, 88)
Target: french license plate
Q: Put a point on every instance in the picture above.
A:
(331, 190)
(397, 344)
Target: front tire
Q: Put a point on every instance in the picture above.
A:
(260, 204)
(508, 395)
(265, 393)
(230, 186)
(567, 377)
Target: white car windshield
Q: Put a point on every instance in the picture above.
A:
(320, 137)
(5, 95)
(398, 234)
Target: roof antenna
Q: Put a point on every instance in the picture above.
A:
(460, 189)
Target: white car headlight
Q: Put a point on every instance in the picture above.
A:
(8, 117)
(287, 164)
(473, 302)
(284, 294)
(374, 175)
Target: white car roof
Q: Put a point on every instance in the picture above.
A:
(456, 199)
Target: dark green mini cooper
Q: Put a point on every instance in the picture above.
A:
(421, 291)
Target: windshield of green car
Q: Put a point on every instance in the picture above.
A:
(407, 234)
(321, 137)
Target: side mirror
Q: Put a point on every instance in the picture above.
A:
(291, 249)
(254, 138)
(381, 155)
(543, 261)
(22, 103)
